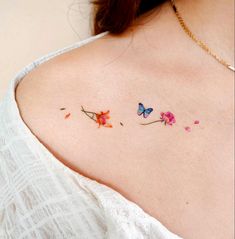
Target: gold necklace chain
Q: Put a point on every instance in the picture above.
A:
(195, 39)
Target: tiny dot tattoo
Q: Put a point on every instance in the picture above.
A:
(121, 123)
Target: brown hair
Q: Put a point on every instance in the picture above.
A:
(116, 16)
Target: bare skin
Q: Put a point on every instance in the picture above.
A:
(183, 179)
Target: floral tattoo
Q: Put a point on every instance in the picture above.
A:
(100, 118)
(167, 118)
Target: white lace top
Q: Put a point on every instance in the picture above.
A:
(42, 198)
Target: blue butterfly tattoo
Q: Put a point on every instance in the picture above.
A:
(144, 111)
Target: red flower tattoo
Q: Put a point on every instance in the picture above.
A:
(100, 118)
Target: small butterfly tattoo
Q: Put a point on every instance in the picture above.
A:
(144, 111)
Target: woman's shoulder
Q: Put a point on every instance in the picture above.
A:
(71, 67)
(59, 77)
(82, 76)
(60, 69)
(76, 73)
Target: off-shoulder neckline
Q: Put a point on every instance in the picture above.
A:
(15, 111)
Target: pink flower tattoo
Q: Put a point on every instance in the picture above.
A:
(167, 118)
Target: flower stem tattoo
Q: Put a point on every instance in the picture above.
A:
(100, 118)
(89, 112)
(152, 122)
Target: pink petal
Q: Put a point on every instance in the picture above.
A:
(187, 128)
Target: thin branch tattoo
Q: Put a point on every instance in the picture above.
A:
(89, 112)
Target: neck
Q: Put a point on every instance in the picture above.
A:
(212, 22)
